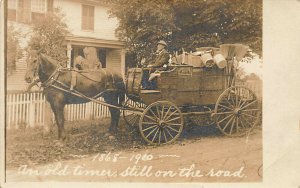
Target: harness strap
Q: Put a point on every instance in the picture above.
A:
(51, 78)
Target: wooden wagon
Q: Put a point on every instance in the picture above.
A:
(184, 90)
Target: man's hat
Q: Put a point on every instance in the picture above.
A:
(162, 43)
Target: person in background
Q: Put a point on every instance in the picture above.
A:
(159, 63)
(89, 61)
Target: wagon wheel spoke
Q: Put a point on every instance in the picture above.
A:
(149, 117)
(246, 121)
(158, 113)
(170, 120)
(151, 127)
(159, 136)
(242, 123)
(237, 124)
(155, 135)
(173, 129)
(249, 110)
(169, 133)
(164, 117)
(151, 132)
(232, 125)
(227, 123)
(249, 104)
(228, 108)
(225, 118)
(170, 115)
(219, 113)
(174, 124)
(153, 113)
(162, 112)
(149, 123)
(249, 115)
(166, 140)
(134, 117)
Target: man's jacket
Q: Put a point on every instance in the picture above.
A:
(161, 59)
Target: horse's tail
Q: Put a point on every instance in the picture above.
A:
(121, 98)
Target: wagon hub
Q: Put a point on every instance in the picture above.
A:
(237, 111)
(162, 124)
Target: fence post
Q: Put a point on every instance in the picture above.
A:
(48, 117)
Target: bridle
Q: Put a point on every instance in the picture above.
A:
(52, 78)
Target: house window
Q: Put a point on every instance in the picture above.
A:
(11, 11)
(87, 22)
(38, 9)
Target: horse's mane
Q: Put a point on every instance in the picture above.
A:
(49, 59)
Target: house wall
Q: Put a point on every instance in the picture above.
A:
(104, 27)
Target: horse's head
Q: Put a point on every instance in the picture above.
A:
(32, 66)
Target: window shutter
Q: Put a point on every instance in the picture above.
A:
(87, 17)
(91, 18)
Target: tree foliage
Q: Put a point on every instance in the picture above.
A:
(48, 36)
(13, 48)
(187, 24)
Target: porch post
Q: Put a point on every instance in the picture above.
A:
(123, 63)
(69, 50)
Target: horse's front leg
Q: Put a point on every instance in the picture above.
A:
(115, 116)
(58, 110)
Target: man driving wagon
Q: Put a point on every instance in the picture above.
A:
(159, 63)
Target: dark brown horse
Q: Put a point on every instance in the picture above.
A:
(56, 81)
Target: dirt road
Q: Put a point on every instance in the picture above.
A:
(209, 159)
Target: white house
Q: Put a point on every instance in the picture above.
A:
(88, 23)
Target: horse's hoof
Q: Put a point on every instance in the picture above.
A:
(107, 134)
(58, 143)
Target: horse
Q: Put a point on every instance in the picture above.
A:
(57, 80)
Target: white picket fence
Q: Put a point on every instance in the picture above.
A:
(28, 109)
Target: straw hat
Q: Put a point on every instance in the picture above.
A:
(162, 43)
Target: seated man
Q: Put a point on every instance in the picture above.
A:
(161, 59)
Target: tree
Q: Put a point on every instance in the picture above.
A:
(48, 36)
(187, 24)
(13, 48)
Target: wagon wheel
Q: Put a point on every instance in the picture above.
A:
(132, 114)
(161, 123)
(237, 111)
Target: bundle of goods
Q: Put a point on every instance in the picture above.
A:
(210, 56)
(189, 59)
